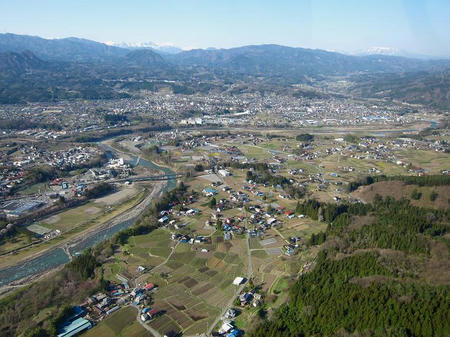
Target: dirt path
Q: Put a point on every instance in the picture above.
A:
(137, 281)
(237, 292)
(146, 326)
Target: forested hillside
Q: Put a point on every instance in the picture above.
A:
(383, 271)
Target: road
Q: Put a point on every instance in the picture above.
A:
(228, 306)
(67, 244)
(146, 326)
(237, 292)
(137, 281)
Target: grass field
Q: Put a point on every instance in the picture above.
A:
(74, 221)
(92, 212)
(432, 162)
(398, 190)
(301, 227)
(18, 241)
(34, 189)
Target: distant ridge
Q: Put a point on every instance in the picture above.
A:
(89, 69)
(67, 49)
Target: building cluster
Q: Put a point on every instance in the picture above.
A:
(30, 155)
(220, 109)
(99, 306)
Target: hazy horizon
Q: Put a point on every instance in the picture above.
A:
(415, 27)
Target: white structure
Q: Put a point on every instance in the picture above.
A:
(226, 327)
(224, 173)
(238, 281)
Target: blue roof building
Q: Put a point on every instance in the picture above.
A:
(74, 327)
(234, 333)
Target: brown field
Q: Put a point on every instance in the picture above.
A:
(398, 190)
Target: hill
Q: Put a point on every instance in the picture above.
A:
(145, 58)
(424, 87)
(427, 196)
(74, 64)
(275, 60)
(383, 270)
(67, 49)
(18, 63)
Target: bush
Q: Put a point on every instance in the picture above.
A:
(98, 190)
(433, 196)
(199, 168)
(416, 195)
(304, 137)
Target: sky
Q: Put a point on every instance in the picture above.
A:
(418, 27)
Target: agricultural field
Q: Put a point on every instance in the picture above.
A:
(195, 281)
(432, 162)
(121, 323)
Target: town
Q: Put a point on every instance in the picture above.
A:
(223, 253)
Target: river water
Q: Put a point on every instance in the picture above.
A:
(57, 257)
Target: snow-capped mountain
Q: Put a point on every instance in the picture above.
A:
(382, 51)
(388, 51)
(164, 48)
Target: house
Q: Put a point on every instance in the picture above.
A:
(149, 286)
(245, 298)
(234, 333)
(224, 173)
(164, 219)
(192, 211)
(152, 313)
(145, 310)
(209, 192)
(230, 313)
(226, 327)
(74, 327)
(288, 250)
(238, 281)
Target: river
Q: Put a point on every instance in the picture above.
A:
(56, 257)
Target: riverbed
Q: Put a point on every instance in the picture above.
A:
(56, 257)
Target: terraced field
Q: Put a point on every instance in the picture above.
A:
(120, 323)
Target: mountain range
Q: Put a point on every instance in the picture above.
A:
(22, 56)
(255, 60)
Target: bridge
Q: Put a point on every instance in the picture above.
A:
(151, 178)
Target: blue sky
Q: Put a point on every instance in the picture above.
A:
(344, 25)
